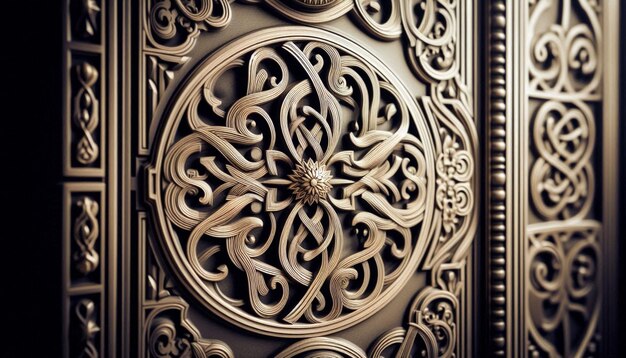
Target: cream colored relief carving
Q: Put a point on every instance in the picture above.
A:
(432, 326)
(562, 178)
(564, 296)
(170, 334)
(328, 347)
(312, 186)
(173, 26)
(565, 59)
(562, 270)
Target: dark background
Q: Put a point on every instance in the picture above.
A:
(30, 173)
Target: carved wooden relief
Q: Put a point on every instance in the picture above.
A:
(552, 201)
(305, 178)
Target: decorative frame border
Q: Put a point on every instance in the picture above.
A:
(507, 183)
(506, 187)
(164, 63)
(90, 153)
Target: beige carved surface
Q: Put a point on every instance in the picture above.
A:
(312, 187)
(563, 257)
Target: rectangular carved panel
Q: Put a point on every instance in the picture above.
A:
(552, 148)
(316, 178)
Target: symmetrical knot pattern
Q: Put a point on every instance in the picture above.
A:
(565, 76)
(563, 272)
(323, 223)
(562, 179)
(86, 233)
(170, 334)
(86, 113)
(86, 314)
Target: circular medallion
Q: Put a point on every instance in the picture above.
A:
(293, 183)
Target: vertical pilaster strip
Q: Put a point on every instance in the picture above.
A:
(497, 180)
(86, 248)
(611, 145)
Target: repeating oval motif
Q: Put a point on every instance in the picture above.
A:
(293, 202)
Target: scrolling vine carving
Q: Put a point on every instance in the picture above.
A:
(307, 174)
(431, 332)
(563, 273)
(169, 334)
(562, 270)
(562, 179)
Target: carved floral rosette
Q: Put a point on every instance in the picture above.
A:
(316, 180)
(311, 187)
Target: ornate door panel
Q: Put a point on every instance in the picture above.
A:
(328, 178)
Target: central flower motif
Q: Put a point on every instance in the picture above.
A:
(310, 182)
(303, 201)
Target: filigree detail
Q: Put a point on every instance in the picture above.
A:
(86, 233)
(86, 314)
(173, 26)
(430, 26)
(431, 330)
(170, 334)
(565, 58)
(387, 27)
(328, 347)
(454, 195)
(85, 113)
(563, 274)
(238, 158)
(310, 182)
(562, 178)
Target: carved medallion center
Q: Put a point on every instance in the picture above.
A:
(310, 182)
(281, 199)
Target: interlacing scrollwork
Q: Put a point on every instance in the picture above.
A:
(565, 58)
(561, 178)
(563, 291)
(85, 113)
(430, 27)
(328, 347)
(86, 314)
(320, 221)
(564, 89)
(173, 26)
(170, 334)
(431, 330)
(86, 233)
